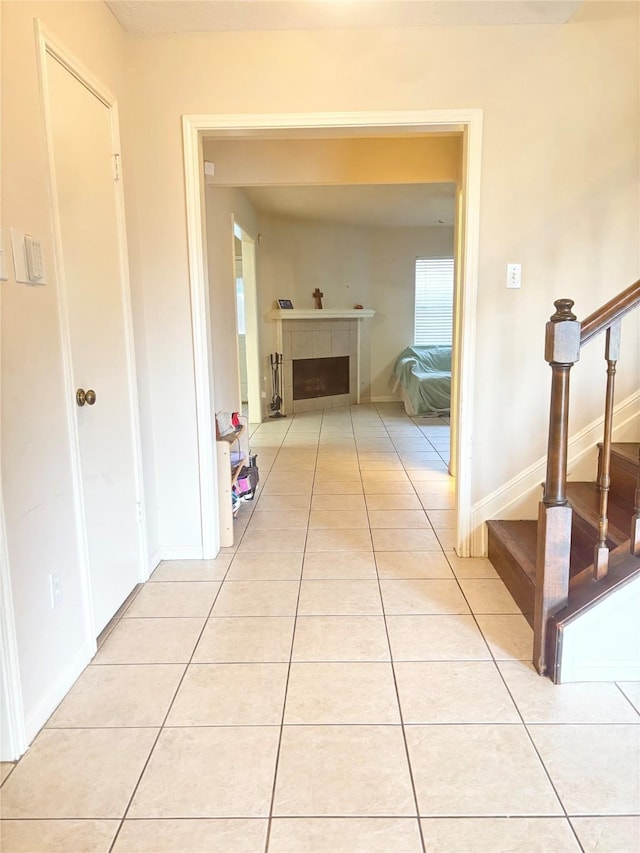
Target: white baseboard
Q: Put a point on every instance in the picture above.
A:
(524, 485)
(185, 553)
(155, 559)
(387, 399)
(38, 716)
(609, 671)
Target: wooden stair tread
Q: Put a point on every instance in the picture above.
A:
(627, 451)
(585, 502)
(623, 567)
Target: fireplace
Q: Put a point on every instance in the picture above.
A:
(320, 377)
(321, 336)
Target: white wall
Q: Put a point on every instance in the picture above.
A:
(560, 178)
(296, 256)
(603, 644)
(394, 251)
(371, 266)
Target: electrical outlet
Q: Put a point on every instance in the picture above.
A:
(55, 589)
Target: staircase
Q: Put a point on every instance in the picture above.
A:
(586, 541)
(512, 544)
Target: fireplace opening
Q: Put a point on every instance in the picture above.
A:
(320, 377)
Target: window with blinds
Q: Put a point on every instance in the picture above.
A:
(434, 301)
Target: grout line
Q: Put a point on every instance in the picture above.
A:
(626, 697)
(535, 749)
(10, 771)
(163, 723)
(286, 687)
(402, 724)
(331, 428)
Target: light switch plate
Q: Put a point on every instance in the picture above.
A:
(19, 248)
(514, 275)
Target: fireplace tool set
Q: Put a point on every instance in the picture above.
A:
(275, 359)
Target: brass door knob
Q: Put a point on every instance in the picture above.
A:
(88, 397)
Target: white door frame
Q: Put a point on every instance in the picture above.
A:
(193, 128)
(13, 735)
(252, 326)
(48, 45)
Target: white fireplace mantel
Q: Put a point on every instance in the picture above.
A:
(321, 313)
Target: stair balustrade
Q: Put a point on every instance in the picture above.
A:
(563, 340)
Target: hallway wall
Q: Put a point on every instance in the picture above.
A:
(560, 194)
(560, 178)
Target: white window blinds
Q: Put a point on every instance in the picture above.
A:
(434, 301)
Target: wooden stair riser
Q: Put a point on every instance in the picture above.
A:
(507, 558)
(623, 475)
(584, 499)
(583, 539)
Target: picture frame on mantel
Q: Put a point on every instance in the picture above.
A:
(285, 303)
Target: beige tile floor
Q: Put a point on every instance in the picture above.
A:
(340, 681)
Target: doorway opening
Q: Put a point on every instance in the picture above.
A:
(467, 124)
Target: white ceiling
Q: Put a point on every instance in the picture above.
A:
(183, 16)
(390, 205)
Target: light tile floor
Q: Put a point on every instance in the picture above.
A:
(340, 681)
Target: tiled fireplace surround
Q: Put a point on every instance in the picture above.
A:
(319, 339)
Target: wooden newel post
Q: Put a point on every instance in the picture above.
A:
(562, 350)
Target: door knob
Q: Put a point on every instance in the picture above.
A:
(88, 397)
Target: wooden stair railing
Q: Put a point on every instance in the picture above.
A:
(563, 340)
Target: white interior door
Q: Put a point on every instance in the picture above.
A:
(93, 272)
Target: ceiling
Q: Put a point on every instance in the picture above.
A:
(389, 205)
(184, 16)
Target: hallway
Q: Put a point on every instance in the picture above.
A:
(338, 682)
